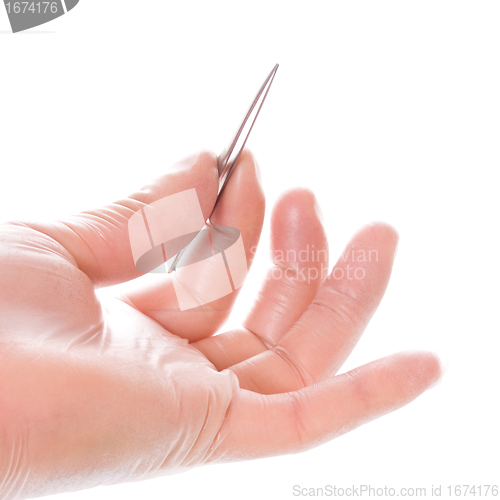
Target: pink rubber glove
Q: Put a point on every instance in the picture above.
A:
(100, 392)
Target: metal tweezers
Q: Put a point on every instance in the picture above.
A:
(229, 157)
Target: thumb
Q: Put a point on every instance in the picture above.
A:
(99, 240)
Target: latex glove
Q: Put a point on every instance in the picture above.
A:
(98, 392)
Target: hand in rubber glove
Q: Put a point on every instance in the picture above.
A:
(98, 392)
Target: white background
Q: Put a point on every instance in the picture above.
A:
(387, 110)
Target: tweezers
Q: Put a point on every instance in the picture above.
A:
(229, 157)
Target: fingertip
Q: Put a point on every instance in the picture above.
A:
(201, 160)
(382, 231)
(246, 169)
(247, 161)
(207, 160)
(258, 172)
(296, 206)
(378, 240)
(433, 367)
(247, 156)
(297, 225)
(198, 171)
(293, 196)
(424, 368)
(243, 198)
(319, 212)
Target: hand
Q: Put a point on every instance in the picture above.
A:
(128, 387)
